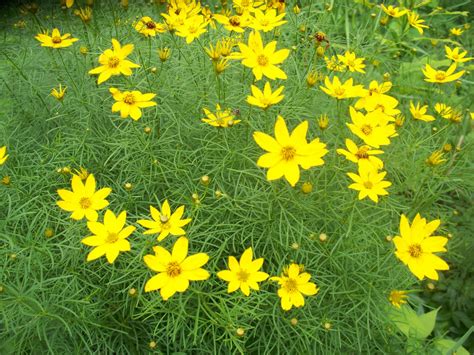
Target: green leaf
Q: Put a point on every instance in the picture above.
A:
(448, 347)
(411, 324)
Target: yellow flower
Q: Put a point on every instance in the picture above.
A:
(221, 65)
(456, 55)
(357, 154)
(415, 22)
(376, 99)
(192, 28)
(55, 40)
(58, 94)
(419, 113)
(234, 23)
(164, 222)
(262, 59)
(436, 158)
(131, 102)
(265, 98)
(164, 53)
(312, 78)
(443, 110)
(372, 128)
(84, 14)
(393, 11)
(69, 3)
(323, 121)
(248, 5)
(415, 247)
(225, 46)
(222, 118)
(174, 270)
(82, 173)
(397, 298)
(334, 64)
(342, 91)
(286, 153)
(109, 238)
(369, 182)
(3, 155)
(456, 31)
(149, 28)
(114, 62)
(214, 52)
(267, 21)
(83, 200)
(243, 274)
(294, 283)
(352, 63)
(441, 76)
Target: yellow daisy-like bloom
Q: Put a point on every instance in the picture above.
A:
(334, 64)
(114, 62)
(342, 91)
(456, 55)
(55, 40)
(248, 5)
(192, 28)
(436, 158)
(83, 200)
(164, 222)
(376, 98)
(222, 118)
(236, 23)
(85, 14)
(131, 102)
(59, 93)
(397, 298)
(456, 31)
(441, 76)
(110, 237)
(149, 28)
(448, 112)
(243, 274)
(286, 153)
(175, 270)
(393, 11)
(357, 154)
(372, 128)
(415, 247)
(294, 283)
(369, 182)
(267, 21)
(174, 19)
(419, 112)
(262, 59)
(416, 22)
(350, 60)
(3, 155)
(265, 98)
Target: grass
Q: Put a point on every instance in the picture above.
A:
(53, 301)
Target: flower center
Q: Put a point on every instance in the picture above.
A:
(288, 153)
(362, 153)
(235, 21)
(151, 25)
(85, 203)
(192, 29)
(415, 250)
(440, 75)
(242, 276)
(265, 22)
(56, 39)
(351, 63)
(290, 285)
(339, 91)
(112, 237)
(129, 99)
(113, 62)
(173, 269)
(366, 129)
(163, 218)
(368, 185)
(262, 60)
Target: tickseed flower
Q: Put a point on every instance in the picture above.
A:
(372, 128)
(59, 93)
(323, 122)
(149, 28)
(312, 78)
(357, 154)
(225, 46)
(397, 298)
(131, 102)
(85, 14)
(82, 173)
(214, 52)
(55, 40)
(369, 182)
(243, 274)
(419, 113)
(294, 283)
(376, 97)
(416, 22)
(456, 31)
(83, 200)
(192, 28)
(234, 23)
(174, 270)
(456, 55)
(436, 158)
(393, 11)
(114, 62)
(415, 247)
(286, 153)
(222, 118)
(442, 76)
(443, 110)
(3, 155)
(262, 59)
(342, 91)
(267, 21)
(164, 54)
(334, 64)
(109, 237)
(164, 222)
(352, 63)
(221, 65)
(265, 98)
(247, 5)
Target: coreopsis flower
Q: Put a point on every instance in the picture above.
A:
(372, 127)
(148, 27)
(456, 31)
(83, 200)
(442, 76)
(397, 298)
(3, 155)
(236, 23)
(416, 22)
(248, 5)
(85, 14)
(357, 154)
(209, 17)
(56, 40)
(374, 95)
(244, 274)
(192, 28)
(174, 19)
(114, 62)
(175, 270)
(109, 238)
(352, 63)
(130, 103)
(312, 78)
(323, 122)
(419, 112)
(214, 52)
(456, 55)
(443, 110)
(262, 59)
(334, 64)
(59, 93)
(221, 65)
(287, 153)
(265, 98)
(294, 284)
(370, 182)
(267, 21)
(222, 118)
(164, 53)
(393, 11)
(416, 247)
(436, 158)
(82, 173)
(342, 91)
(225, 46)
(164, 222)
